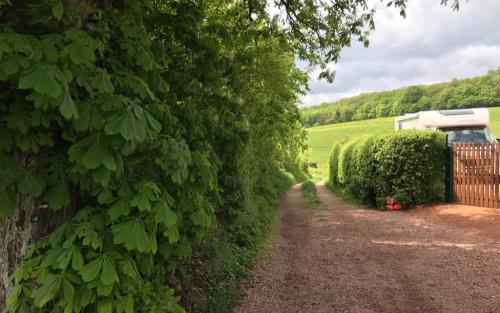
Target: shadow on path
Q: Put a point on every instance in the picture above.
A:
(350, 259)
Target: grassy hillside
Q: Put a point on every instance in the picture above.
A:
(482, 91)
(321, 139)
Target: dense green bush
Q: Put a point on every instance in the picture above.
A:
(348, 173)
(157, 129)
(334, 162)
(299, 175)
(367, 169)
(406, 165)
(160, 127)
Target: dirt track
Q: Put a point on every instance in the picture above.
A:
(349, 259)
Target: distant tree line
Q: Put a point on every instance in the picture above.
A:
(482, 91)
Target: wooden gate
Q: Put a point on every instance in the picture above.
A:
(476, 174)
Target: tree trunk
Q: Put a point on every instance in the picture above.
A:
(16, 233)
(30, 221)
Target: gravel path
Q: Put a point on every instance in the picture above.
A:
(349, 259)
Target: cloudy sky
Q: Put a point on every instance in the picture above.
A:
(432, 44)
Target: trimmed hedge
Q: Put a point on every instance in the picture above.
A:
(406, 165)
(334, 162)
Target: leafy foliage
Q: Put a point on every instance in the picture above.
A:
(483, 91)
(334, 162)
(160, 122)
(406, 165)
(212, 275)
(138, 117)
(318, 30)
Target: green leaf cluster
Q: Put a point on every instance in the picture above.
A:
(159, 123)
(153, 120)
(408, 166)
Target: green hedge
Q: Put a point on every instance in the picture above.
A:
(334, 162)
(406, 165)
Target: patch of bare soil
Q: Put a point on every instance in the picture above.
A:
(483, 221)
(349, 259)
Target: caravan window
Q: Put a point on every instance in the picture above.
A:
(469, 134)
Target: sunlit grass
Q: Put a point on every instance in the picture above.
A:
(308, 190)
(321, 138)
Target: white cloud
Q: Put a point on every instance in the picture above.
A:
(432, 44)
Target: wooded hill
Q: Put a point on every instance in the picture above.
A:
(482, 91)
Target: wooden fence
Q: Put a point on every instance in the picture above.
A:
(476, 174)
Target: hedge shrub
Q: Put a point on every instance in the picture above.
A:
(334, 162)
(406, 165)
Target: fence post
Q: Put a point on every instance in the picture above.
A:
(448, 169)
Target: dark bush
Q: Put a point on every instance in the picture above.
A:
(406, 165)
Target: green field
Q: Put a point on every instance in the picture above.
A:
(321, 138)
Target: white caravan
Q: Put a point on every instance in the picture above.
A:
(463, 125)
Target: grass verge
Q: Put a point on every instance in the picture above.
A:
(308, 190)
(209, 280)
